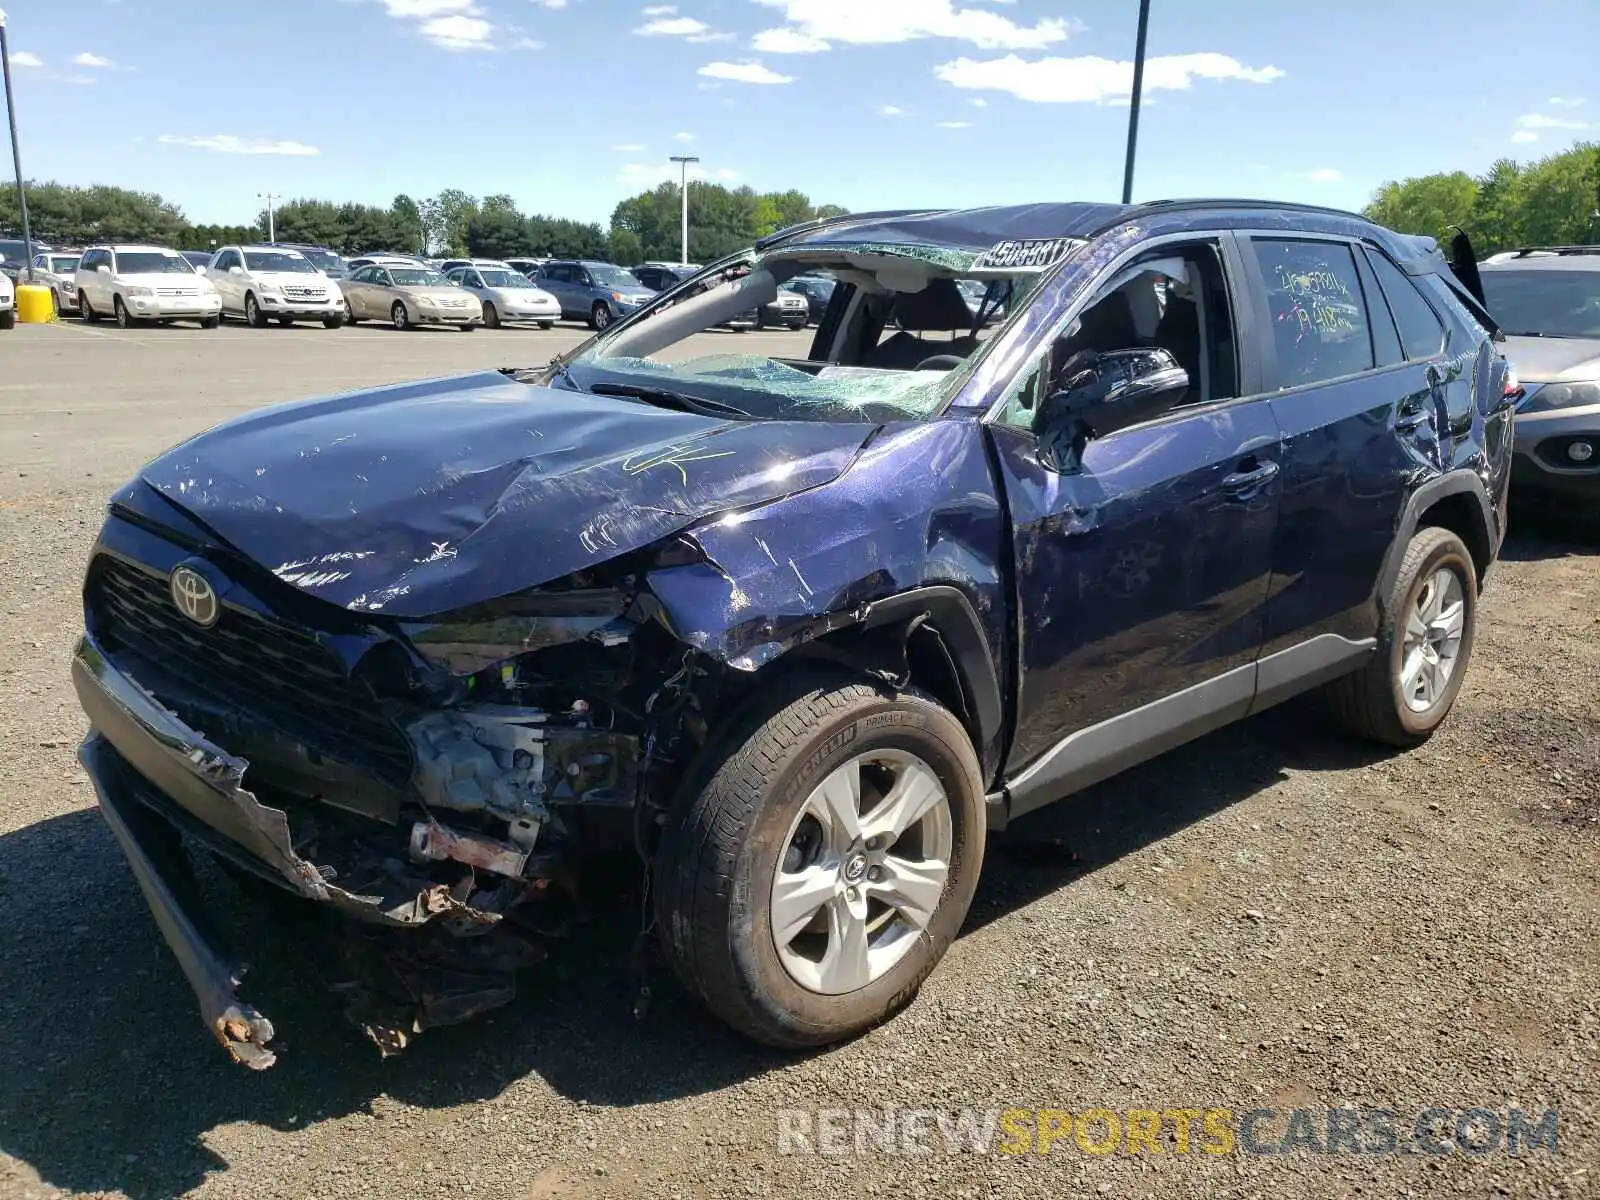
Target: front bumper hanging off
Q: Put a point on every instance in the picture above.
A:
(158, 781)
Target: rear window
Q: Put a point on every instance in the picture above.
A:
(1544, 303)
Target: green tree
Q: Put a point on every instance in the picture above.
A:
(1430, 205)
(407, 219)
(445, 218)
(61, 214)
(626, 247)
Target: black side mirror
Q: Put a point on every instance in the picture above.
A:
(1096, 394)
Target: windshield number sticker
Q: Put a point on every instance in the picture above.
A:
(1039, 252)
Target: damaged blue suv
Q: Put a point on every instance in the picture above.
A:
(798, 632)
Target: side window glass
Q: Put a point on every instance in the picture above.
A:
(1319, 322)
(1421, 333)
(1022, 399)
(381, 278)
(1385, 338)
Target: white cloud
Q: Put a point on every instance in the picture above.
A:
(1567, 101)
(1324, 175)
(98, 61)
(1523, 136)
(227, 143)
(787, 41)
(1540, 121)
(23, 59)
(683, 137)
(456, 25)
(459, 33)
(672, 27)
(746, 72)
(1091, 79)
(891, 110)
(978, 102)
(527, 43)
(667, 23)
(551, 3)
(854, 22)
(629, 148)
(955, 124)
(422, 9)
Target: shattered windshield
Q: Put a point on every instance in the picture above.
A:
(911, 320)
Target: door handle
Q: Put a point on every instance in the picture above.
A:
(1410, 420)
(1241, 483)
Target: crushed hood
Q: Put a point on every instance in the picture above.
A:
(1547, 359)
(419, 498)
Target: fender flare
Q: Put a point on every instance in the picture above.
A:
(950, 612)
(1423, 498)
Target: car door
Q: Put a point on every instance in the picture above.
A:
(1141, 568)
(557, 279)
(1357, 418)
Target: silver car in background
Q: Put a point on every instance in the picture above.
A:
(408, 296)
(507, 295)
(57, 270)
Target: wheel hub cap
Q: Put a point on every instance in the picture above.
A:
(1432, 643)
(863, 871)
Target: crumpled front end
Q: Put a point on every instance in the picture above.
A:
(434, 786)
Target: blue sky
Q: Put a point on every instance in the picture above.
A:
(571, 105)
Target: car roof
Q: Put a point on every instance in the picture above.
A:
(1553, 262)
(979, 229)
(266, 246)
(119, 247)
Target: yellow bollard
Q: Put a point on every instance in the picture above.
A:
(33, 304)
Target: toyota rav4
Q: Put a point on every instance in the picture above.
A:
(799, 630)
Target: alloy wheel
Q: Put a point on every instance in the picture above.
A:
(1432, 640)
(863, 871)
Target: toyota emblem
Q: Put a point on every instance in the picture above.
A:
(195, 597)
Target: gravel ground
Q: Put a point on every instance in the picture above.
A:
(1272, 917)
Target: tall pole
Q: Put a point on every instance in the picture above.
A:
(683, 160)
(269, 197)
(16, 152)
(1133, 108)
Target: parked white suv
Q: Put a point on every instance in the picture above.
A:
(259, 283)
(143, 283)
(8, 303)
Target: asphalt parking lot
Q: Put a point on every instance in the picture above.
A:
(1274, 917)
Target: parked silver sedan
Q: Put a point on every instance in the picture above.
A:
(507, 295)
(407, 297)
(58, 271)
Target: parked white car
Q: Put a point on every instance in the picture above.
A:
(58, 270)
(144, 283)
(260, 283)
(8, 303)
(507, 295)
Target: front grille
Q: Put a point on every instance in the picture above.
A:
(177, 292)
(275, 674)
(295, 292)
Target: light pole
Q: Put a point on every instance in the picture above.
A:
(1133, 109)
(16, 152)
(269, 197)
(683, 160)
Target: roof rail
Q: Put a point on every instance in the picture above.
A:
(1525, 251)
